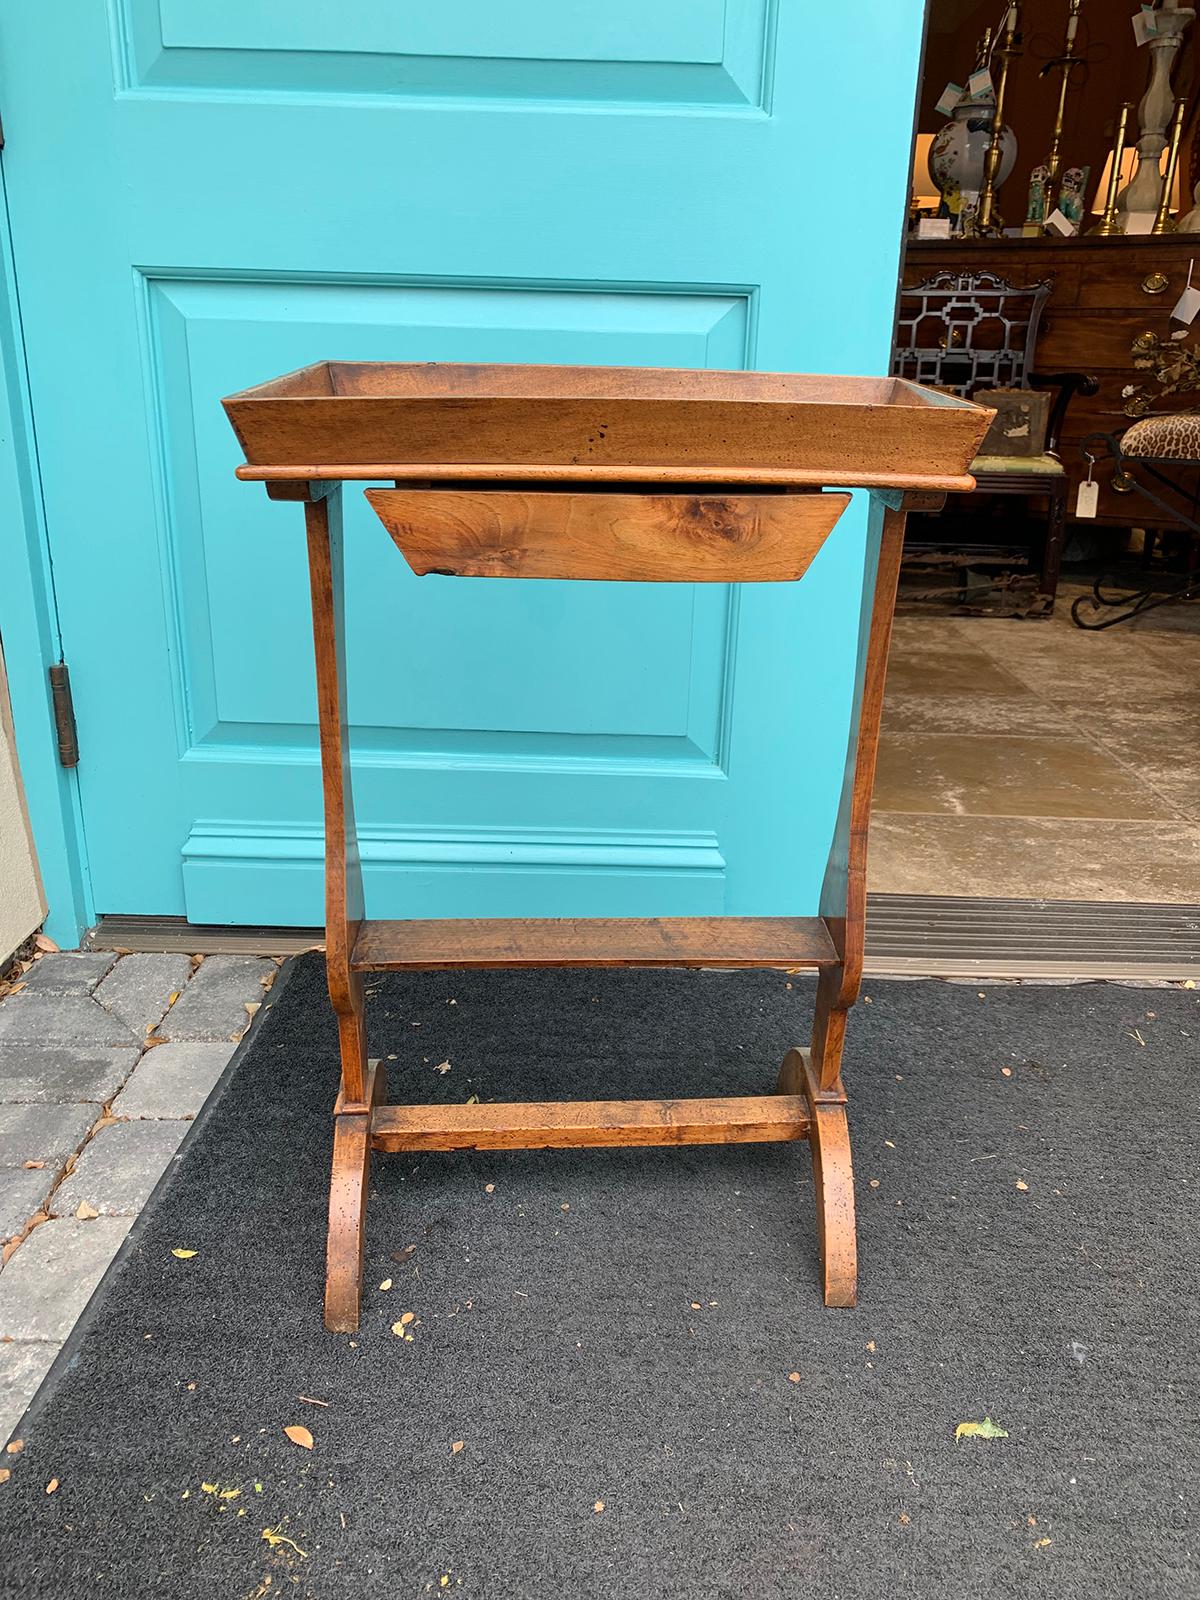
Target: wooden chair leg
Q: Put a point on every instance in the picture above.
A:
(348, 1207)
(833, 1175)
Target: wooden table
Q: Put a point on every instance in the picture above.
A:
(600, 473)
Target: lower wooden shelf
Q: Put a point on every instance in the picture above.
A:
(782, 942)
(573, 1124)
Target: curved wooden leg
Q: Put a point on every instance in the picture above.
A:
(348, 1207)
(833, 1175)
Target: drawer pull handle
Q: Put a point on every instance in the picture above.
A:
(1154, 283)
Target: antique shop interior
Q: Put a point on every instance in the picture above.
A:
(1042, 722)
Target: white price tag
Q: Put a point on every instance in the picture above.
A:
(979, 84)
(933, 227)
(1188, 304)
(1139, 221)
(1057, 223)
(1144, 25)
(951, 95)
(1087, 498)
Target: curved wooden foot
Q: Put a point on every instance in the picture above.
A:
(347, 1208)
(833, 1175)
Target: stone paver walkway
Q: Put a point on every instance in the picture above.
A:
(104, 1060)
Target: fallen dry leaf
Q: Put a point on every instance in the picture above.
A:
(386, 1284)
(5, 1474)
(52, 1486)
(793, 1377)
(489, 1188)
(275, 1537)
(85, 1212)
(172, 997)
(443, 1067)
(34, 1166)
(183, 1255)
(1022, 1185)
(401, 1256)
(986, 1429)
(1006, 1072)
(300, 1436)
(599, 1506)
(456, 1447)
(15, 1446)
(45, 944)
(253, 1005)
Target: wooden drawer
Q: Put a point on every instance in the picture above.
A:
(1150, 282)
(1103, 411)
(1094, 341)
(681, 538)
(1021, 271)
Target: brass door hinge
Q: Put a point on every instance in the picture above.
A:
(64, 715)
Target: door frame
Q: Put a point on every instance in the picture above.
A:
(29, 629)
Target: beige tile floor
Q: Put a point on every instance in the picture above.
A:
(1036, 760)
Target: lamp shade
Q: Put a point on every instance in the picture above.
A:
(1128, 163)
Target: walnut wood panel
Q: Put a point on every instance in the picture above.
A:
(569, 1125)
(594, 942)
(629, 537)
(1120, 282)
(601, 419)
(1097, 339)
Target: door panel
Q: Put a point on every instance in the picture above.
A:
(244, 188)
(706, 52)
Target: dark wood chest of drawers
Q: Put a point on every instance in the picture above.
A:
(1106, 293)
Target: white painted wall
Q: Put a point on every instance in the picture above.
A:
(22, 903)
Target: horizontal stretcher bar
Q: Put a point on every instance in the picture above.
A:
(574, 1124)
(781, 942)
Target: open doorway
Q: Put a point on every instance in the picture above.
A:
(1028, 753)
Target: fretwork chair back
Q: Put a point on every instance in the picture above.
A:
(971, 331)
(600, 474)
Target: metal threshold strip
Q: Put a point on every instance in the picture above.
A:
(908, 935)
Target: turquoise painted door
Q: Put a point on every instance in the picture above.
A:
(203, 195)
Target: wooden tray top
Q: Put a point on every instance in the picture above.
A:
(429, 420)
